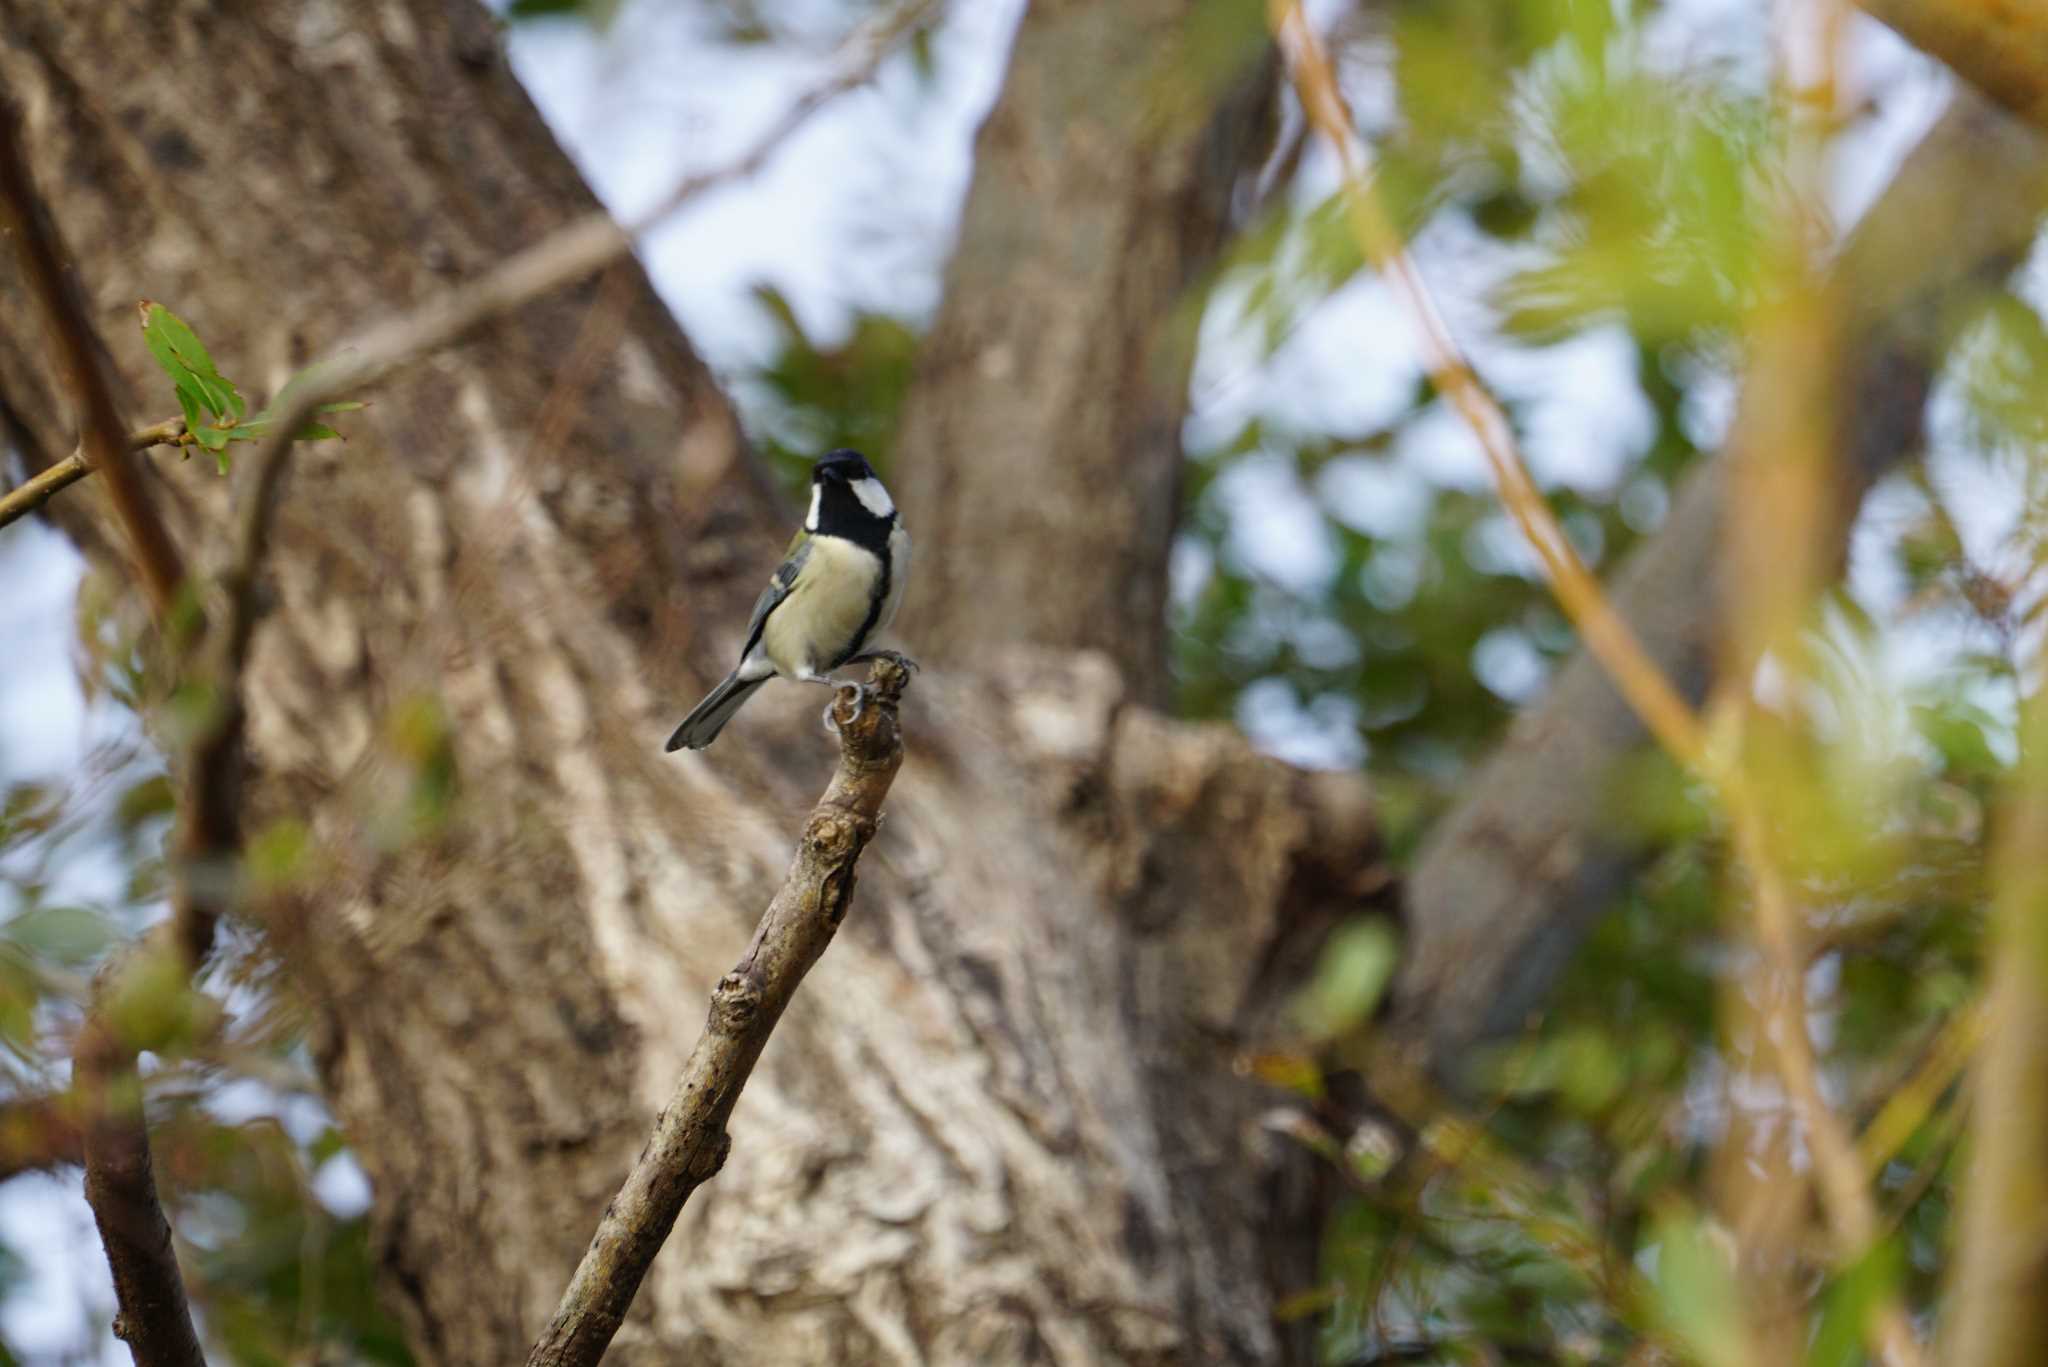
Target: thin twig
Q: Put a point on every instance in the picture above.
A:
(1645, 686)
(689, 1143)
(1838, 1168)
(38, 489)
(1782, 471)
(209, 829)
(120, 1186)
(1906, 1109)
(103, 437)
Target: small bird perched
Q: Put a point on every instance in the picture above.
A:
(837, 587)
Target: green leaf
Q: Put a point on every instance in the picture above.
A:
(215, 439)
(70, 935)
(188, 402)
(145, 801)
(185, 359)
(1356, 966)
(1696, 1291)
(1848, 1303)
(318, 431)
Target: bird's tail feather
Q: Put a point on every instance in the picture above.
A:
(709, 717)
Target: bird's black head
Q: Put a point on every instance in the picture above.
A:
(848, 501)
(841, 467)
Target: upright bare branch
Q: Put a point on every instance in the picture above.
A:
(1998, 1293)
(689, 1143)
(120, 1182)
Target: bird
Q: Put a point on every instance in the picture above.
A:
(837, 588)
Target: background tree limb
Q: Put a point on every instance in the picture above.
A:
(2002, 49)
(1049, 395)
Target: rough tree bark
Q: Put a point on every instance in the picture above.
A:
(1002, 1124)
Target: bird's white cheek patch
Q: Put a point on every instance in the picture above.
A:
(811, 518)
(872, 496)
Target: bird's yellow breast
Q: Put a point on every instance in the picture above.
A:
(811, 629)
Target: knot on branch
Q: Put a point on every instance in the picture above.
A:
(836, 835)
(734, 1003)
(705, 1162)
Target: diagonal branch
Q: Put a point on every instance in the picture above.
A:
(103, 436)
(2002, 49)
(690, 1143)
(1606, 634)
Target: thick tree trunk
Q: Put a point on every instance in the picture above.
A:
(1050, 394)
(1001, 1123)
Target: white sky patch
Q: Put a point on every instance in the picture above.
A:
(1380, 497)
(342, 1186)
(1323, 735)
(1277, 531)
(45, 728)
(1349, 366)
(853, 212)
(61, 1309)
(1508, 663)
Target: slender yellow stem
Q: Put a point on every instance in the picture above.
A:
(1648, 691)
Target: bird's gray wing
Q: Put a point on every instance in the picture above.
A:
(779, 585)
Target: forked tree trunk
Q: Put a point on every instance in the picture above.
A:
(1001, 1122)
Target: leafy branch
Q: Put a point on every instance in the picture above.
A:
(215, 415)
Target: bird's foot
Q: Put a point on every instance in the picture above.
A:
(860, 702)
(894, 657)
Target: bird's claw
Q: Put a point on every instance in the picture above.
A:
(894, 657)
(860, 702)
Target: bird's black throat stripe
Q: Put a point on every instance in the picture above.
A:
(842, 514)
(876, 598)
